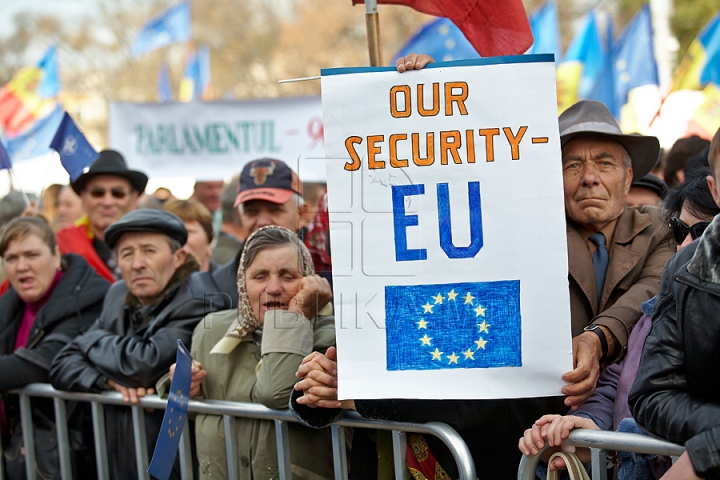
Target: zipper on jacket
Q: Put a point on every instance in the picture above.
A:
(35, 340)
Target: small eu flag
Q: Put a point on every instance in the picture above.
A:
(175, 416)
(454, 325)
(75, 151)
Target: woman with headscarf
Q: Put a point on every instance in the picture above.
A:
(251, 354)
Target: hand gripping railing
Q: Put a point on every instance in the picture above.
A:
(599, 441)
(229, 411)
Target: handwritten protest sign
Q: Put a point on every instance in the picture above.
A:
(447, 230)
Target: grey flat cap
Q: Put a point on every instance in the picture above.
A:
(147, 220)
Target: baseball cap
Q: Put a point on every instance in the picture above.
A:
(267, 179)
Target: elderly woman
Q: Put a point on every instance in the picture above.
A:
(251, 355)
(52, 298)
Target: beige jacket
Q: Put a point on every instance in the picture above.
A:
(260, 374)
(639, 249)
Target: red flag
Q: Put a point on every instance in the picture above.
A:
(493, 27)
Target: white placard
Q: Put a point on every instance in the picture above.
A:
(449, 267)
(214, 140)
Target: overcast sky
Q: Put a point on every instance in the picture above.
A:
(66, 9)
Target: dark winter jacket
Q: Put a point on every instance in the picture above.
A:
(74, 304)
(676, 394)
(133, 346)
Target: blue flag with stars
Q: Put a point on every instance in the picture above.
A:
(175, 416)
(454, 325)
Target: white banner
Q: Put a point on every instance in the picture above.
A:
(448, 230)
(213, 140)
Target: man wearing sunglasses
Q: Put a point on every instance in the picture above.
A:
(108, 190)
(676, 394)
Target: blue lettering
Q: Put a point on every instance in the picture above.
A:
(402, 221)
(476, 235)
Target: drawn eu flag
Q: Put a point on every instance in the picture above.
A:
(454, 325)
(175, 416)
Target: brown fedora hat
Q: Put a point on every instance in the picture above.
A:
(110, 162)
(588, 117)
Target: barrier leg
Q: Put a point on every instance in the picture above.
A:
(339, 452)
(28, 437)
(231, 446)
(63, 438)
(101, 460)
(141, 453)
(186, 470)
(599, 464)
(282, 440)
(399, 451)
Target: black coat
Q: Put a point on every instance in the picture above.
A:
(133, 346)
(676, 394)
(73, 306)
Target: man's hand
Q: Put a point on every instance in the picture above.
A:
(313, 295)
(198, 375)
(681, 470)
(587, 352)
(412, 61)
(129, 394)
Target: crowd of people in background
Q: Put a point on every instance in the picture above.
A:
(100, 280)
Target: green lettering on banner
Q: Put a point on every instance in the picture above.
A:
(215, 138)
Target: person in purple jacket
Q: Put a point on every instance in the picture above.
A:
(689, 209)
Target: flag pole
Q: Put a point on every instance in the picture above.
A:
(372, 22)
(20, 189)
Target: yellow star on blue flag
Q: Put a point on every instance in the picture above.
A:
(451, 335)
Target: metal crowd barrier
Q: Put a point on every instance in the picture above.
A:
(229, 411)
(599, 441)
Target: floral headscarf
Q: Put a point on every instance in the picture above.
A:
(247, 322)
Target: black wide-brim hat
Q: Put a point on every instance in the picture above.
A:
(588, 117)
(110, 162)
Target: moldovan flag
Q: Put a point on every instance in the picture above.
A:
(584, 61)
(22, 100)
(493, 27)
(701, 63)
(706, 120)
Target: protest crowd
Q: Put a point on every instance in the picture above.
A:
(101, 278)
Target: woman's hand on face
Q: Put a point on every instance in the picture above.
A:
(313, 295)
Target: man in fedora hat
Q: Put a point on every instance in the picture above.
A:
(108, 190)
(616, 253)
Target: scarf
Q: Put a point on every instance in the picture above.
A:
(704, 264)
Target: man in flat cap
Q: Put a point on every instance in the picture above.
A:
(108, 190)
(133, 342)
(616, 253)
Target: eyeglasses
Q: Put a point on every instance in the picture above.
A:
(680, 230)
(118, 193)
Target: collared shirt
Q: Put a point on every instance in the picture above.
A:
(608, 231)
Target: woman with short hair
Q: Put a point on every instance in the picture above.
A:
(52, 298)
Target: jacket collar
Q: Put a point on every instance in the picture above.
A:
(181, 274)
(705, 262)
(623, 258)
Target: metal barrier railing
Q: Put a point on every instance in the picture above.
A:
(599, 441)
(229, 411)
